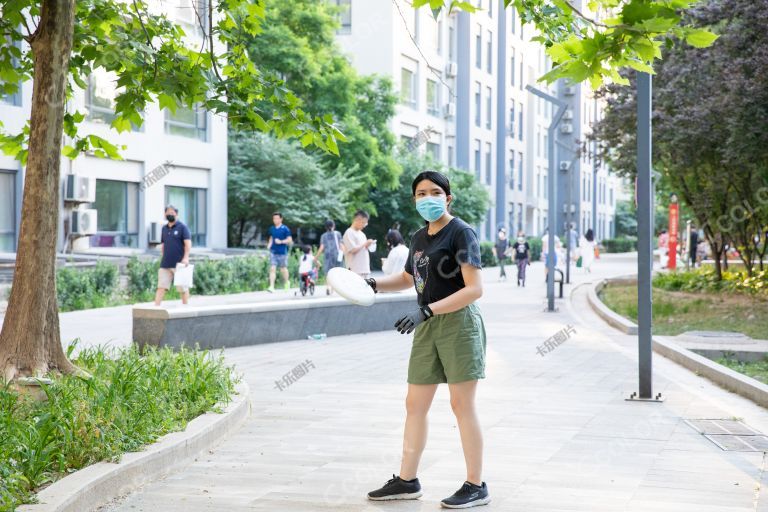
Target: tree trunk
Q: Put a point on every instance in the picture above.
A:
(30, 342)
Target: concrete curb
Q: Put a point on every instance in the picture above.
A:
(724, 377)
(611, 317)
(96, 485)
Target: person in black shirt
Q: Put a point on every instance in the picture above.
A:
(502, 244)
(522, 251)
(449, 341)
(175, 246)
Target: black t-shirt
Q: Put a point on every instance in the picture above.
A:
(435, 261)
(521, 250)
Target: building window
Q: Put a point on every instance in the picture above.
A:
(433, 98)
(477, 104)
(433, 150)
(512, 68)
(451, 43)
(545, 181)
(520, 216)
(488, 168)
(538, 141)
(14, 98)
(545, 147)
(479, 49)
(519, 171)
(187, 122)
(100, 96)
(117, 203)
(521, 80)
(489, 52)
(512, 21)
(191, 203)
(488, 224)
(488, 107)
(520, 122)
(610, 196)
(490, 8)
(345, 16)
(7, 211)
(450, 156)
(512, 119)
(477, 159)
(408, 87)
(512, 170)
(439, 37)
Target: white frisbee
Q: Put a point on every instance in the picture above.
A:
(351, 286)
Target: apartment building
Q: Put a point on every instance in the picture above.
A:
(110, 206)
(462, 83)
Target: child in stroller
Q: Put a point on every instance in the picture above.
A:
(307, 271)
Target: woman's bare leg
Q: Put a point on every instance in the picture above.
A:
(463, 405)
(417, 405)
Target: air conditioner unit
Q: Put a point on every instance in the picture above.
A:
(568, 114)
(155, 232)
(566, 128)
(79, 189)
(84, 222)
(569, 90)
(449, 109)
(451, 69)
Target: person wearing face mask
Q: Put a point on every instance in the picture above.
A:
(175, 244)
(449, 341)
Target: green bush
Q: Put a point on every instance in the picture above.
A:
(627, 244)
(488, 254)
(84, 288)
(705, 279)
(131, 400)
(535, 244)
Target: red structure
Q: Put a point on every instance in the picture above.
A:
(674, 217)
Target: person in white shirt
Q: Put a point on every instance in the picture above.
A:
(357, 246)
(394, 263)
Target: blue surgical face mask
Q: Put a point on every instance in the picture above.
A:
(431, 208)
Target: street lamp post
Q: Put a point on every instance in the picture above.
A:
(552, 207)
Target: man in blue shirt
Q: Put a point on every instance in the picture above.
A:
(279, 240)
(175, 244)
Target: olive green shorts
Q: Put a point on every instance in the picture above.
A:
(449, 348)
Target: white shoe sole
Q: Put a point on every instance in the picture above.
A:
(406, 496)
(476, 503)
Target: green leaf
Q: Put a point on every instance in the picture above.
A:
(167, 101)
(700, 38)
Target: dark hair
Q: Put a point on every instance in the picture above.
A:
(329, 225)
(362, 213)
(171, 207)
(590, 236)
(394, 238)
(306, 249)
(438, 178)
(278, 214)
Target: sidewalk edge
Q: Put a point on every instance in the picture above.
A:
(98, 484)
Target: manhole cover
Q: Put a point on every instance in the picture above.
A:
(740, 443)
(731, 435)
(723, 426)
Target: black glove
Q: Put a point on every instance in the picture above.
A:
(372, 283)
(408, 323)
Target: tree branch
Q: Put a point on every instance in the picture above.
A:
(146, 33)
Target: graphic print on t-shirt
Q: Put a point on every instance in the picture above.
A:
(420, 265)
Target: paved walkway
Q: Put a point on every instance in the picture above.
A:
(558, 434)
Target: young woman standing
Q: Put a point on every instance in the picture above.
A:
(449, 340)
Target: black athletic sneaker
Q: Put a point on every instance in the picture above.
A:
(470, 495)
(397, 489)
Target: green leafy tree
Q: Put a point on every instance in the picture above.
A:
(298, 42)
(268, 175)
(66, 41)
(585, 46)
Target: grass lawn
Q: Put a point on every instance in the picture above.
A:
(755, 369)
(676, 312)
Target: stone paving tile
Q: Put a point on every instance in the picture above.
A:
(559, 435)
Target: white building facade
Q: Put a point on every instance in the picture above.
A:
(461, 80)
(173, 158)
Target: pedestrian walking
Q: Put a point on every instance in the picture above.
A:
(394, 263)
(279, 240)
(449, 341)
(358, 245)
(663, 244)
(587, 245)
(175, 246)
(522, 251)
(693, 246)
(333, 248)
(502, 244)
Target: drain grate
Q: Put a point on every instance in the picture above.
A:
(731, 435)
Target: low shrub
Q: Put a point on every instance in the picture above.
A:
(130, 401)
(626, 244)
(705, 279)
(535, 244)
(84, 288)
(488, 254)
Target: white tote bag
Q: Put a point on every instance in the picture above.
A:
(183, 275)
